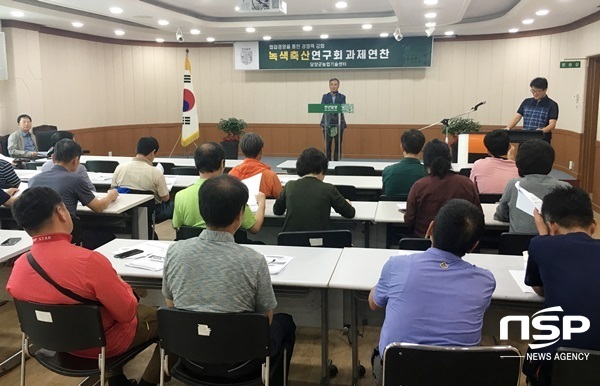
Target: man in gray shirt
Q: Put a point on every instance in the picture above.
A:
(211, 273)
(22, 143)
(81, 170)
(534, 162)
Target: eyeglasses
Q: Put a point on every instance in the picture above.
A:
(536, 91)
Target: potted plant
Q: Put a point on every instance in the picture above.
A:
(233, 129)
(458, 126)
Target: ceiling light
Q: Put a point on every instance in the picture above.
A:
(324, 36)
(195, 31)
(384, 34)
(513, 30)
(17, 13)
(367, 26)
(77, 24)
(430, 2)
(160, 40)
(237, 9)
(449, 33)
(163, 22)
(250, 29)
(527, 21)
(210, 39)
(267, 37)
(430, 15)
(116, 10)
(341, 4)
(542, 12)
(430, 24)
(307, 28)
(119, 32)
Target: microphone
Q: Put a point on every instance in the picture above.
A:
(477, 105)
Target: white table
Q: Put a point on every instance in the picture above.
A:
(10, 251)
(301, 272)
(290, 165)
(359, 182)
(359, 269)
(178, 161)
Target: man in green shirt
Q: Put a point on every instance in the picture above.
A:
(400, 177)
(210, 162)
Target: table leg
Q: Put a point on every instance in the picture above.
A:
(367, 233)
(10, 363)
(139, 219)
(354, 332)
(324, 337)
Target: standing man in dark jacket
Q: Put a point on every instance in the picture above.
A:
(329, 121)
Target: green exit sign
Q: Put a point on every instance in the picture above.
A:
(571, 64)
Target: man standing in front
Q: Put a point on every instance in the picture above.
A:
(539, 112)
(332, 129)
(211, 273)
(435, 297)
(22, 143)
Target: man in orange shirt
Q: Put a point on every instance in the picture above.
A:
(252, 145)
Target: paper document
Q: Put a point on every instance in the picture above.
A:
(277, 263)
(160, 167)
(151, 263)
(401, 206)
(42, 154)
(253, 185)
(170, 181)
(519, 277)
(286, 178)
(527, 201)
(154, 248)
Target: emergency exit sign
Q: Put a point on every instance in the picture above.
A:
(571, 64)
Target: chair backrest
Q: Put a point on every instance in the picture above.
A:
(489, 198)
(4, 144)
(184, 171)
(414, 244)
(42, 135)
(214, 337)
(33, 165)
(185, 232)
(347, 191)
(514, 243)
(576, 372)
(465, 172)
(61, 328)
(355, 171)
(400, 197)
(101, 166)
(409, 364)
(167, 167)
(328, 239)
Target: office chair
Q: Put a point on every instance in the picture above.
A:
(202, 339)
(347, 191)
(514, 243)
(414, 244)
(581, 372)
(57, 330)
(354, 171)
(101, 166)
(326, 239)
(185, 232)
(465, 172)
(184, 171)
(410, 364)
(33, 165)
(489, 198)
(42, 135)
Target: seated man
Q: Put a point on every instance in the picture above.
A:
(252, 145)
(81, 170)
(534, 162)
(400, 177)
(88, 274)
(22, 143)
(211, 273)
(210, 162)
(563, 268)
(8, 177)
(491, 174)
(435, 297)
(140, 174)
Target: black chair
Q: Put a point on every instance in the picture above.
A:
(43, 133)
(185, 232)
(184, 171)
(347, 191)
(465, 172)
(514, 243)
(414, 244)
(167, 167)
(354, 171)
(409, 364)
(205, 339)
(101, 166)
(56, 330)
(489, 198)
(4, 144)
(326, 239)
(581, 372)
(400, 197)
(33, 165)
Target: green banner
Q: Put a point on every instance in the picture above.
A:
(329, 108)
(345, 53)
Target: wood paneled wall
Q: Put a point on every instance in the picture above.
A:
(596, 184)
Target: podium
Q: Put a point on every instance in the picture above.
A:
(471, 147)
(331, 130)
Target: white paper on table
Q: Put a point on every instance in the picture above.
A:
(253, 185)
(151, 263)
(285, 179)
(277, 263)
(42, 154)
(7, 159)
(160, 167)
(401, 206)
(527, 201)
(100, 195)
(519, 277)
(154, 248)
(170, 181)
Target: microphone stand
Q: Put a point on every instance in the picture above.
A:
(446, 121)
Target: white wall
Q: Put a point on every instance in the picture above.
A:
(75, 83)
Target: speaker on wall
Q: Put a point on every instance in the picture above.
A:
(3, 66)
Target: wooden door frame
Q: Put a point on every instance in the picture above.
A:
(590, 122)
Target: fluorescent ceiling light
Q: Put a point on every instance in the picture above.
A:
(307, 28)
(17, 13)
(250, 29)
(115, 10)
(430, 15)
(430, 24)
(367, 26)
(163, 22)
(160, 40)
(527, 21)
(341, 4)
(210, 39)
(77, 24)
(195, 31)
(449, 33)
(119, 32)
(542, 12)
(267, 37)
(430, 2)
(384, 34)
(513, 30)
(324, 36)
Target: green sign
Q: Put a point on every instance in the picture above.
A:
(571, 64)
(329, 108)
(345, 53)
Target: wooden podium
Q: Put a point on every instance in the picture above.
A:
(471, 147)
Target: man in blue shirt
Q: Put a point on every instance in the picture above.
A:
(435, 297)
(22, 143)
(563, 267)
(539, 112)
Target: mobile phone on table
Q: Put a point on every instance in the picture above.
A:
(11, 241)
(130, 253)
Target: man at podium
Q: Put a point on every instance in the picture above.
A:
(329, 121)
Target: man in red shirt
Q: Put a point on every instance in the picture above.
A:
(86, 273)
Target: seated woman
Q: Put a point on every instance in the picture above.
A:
(308, 201)
(431, 192)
